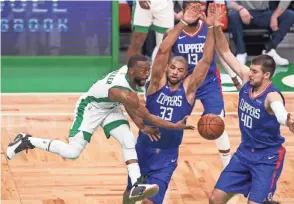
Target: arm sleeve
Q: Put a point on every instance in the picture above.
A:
(279, 111)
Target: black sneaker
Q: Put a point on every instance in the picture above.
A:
(141, 190)
(21, 142)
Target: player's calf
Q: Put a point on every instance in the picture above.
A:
(137, 42)
(219, 197)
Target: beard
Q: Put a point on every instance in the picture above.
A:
(173, 82)
(255, 84)
(140, 82)
(194, 23)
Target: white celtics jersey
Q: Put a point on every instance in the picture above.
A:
(98, 93)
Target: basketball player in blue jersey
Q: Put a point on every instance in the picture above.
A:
(170, 97)
(190, 44)
(257, 164)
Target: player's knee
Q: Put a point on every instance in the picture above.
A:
(127, 141)
(72, 151)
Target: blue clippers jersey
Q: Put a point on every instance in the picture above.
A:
(259, 129)
(191, 48)
(168, 105)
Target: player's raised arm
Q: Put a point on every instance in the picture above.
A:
(275, 104)
(193, 82)
(224, 50)
(163, 54)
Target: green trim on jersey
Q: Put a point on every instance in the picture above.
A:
(128, 80)
(112, 125)
(87, 135)
(123, 88)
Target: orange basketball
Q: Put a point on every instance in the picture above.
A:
(211, 126)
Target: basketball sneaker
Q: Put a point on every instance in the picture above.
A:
(21, 142)
(141, 190)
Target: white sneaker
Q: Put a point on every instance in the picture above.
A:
(242, 58)
(278, 59)
(21, 143)
(140, 190)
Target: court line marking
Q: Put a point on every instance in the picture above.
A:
(72, 114)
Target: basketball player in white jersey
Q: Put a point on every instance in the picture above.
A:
(101, 107)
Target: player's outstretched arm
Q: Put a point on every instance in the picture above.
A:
(275, 104)
(230, 72)
(152, 132)
(131, 102)
(143, 113)
(161, 59)
(193, 82)
(127, 98)
(224, 50)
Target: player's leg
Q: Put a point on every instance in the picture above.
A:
(265, 175)
(219, 197)
(158, 167)
(163, 20)
(234, 179)
(86, 122)
(117, 126)
(71, 150)
(212, 100)
(141, 21)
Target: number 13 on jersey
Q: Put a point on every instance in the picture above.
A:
(166, 113)
(192, 58)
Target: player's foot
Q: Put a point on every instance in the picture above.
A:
(141, 190)
(21, 142)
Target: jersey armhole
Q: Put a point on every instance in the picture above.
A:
(147, 95)
(122, 87)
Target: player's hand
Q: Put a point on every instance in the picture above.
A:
(144, 4)
(152, 132)
(215, 14)
(192, 13)
(290, 123)
(181, 125)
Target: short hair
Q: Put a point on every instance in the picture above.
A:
(270, 202)
(136, 58)
(186, 3)
(267, 63)
(180, 59)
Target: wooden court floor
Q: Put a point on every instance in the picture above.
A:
(99, 175)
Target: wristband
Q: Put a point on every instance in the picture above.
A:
(210, 27)
(184, 22)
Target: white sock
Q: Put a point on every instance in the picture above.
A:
(225, 157)
(40, 143)
(223, 144)
(134, 172)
